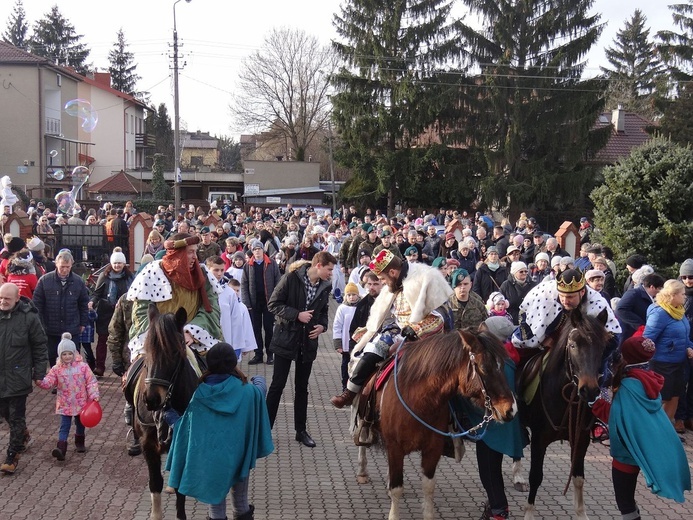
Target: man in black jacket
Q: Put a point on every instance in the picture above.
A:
(300, 304)
(23, 358)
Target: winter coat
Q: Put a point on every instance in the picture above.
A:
(631, 310)
(466, 262)
(360, 318)
(487, 281)
(119, 330)
(515, 293)
(671, 337)
(271, 276)
(23, 351)
(62, 308)
(287, 301)
(471, 315)
(22, 273)
(103, 306)
(76, 386)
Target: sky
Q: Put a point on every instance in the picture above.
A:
(216, 35)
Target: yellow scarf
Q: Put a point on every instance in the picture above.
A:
(674, 312)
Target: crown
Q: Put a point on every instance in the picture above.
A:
(381, 261)
(570, 281)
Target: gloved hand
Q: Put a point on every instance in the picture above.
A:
(119, 368)
(171, 416)
(409, 333)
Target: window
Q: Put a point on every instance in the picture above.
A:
(196, 160)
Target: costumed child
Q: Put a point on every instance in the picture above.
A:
(76, 385)
(237, 263)
(22, 273)
(222, 433)
(497, 305)
(235, 317)
(340, 327)
(642, 436)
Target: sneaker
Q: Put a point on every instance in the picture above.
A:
(10, 464)
(255, 361)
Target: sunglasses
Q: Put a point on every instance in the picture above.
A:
(686, 277)
(522, 272)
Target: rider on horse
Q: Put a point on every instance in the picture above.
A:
(407, 307)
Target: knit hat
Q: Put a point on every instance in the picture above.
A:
(518, 240)
(237, 255)
(566, 260)
(36, 244)
(555, 261)
(255, 244)
(594, 273)
(449, 236)
(542, 256)
(637, 349)
(499, 326)
(636, 261)
(221, 359)
(351, 288)
(686, 268)
(66, 344)
(492, 249)
(118, 257)
(15, 245)
(517, 266)
(496, 298)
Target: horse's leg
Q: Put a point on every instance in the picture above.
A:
(578, 453)
(150, 450)
(519, 480)
(180, 506)
(395, 465)
(362, 476)
(536, 473)
(430, 456)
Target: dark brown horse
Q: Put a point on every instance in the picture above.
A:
(427, 376)
(560, 409)
(167, 379)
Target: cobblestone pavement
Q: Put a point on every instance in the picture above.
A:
(294, 482)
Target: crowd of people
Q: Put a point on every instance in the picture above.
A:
(261, 281)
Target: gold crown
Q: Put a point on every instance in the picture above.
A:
(570, 281)
(382, 260)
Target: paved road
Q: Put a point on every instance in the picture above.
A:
(294, 482)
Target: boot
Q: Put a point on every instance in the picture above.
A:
(133, 443)
(79, 444)
(10, 465)
(679, 427)
(25, 442)
(343, 399)
(248, 515)
(688, 423)
(257, 360)
(60, 451)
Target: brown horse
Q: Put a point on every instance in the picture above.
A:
(167, 379)
(560, 410)
(427, 376)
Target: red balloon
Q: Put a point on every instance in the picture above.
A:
(91, 414)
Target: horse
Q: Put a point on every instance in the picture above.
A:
(427, 375)
(560, 409)
(167, 379)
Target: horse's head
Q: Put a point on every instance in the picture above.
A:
(584, 339)
(164, 349)
(484, 382)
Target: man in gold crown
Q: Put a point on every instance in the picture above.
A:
(409, 306)
(543, 311)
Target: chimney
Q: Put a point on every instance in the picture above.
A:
(103, 78)
(618, 119)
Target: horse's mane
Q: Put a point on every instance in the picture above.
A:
(588, 327)
(164, 341)
(440, 354)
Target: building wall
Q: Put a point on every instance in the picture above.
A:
(282, 174)
(210, 156)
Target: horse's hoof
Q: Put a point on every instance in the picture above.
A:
(363, 479)
(521, 486)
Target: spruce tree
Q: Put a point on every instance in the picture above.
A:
(122, 66)
(677, 47)
(54, 38)
(160, 189)
(531, 115)
(634, 69)
(17, 28)
(159, 124)
(389, 93)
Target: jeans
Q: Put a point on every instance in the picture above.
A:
(101, 351)
(52, 344)
(491, 474)
(66, 423)
(262, 318)
(684, 410)
(282, 366)
(13, 410)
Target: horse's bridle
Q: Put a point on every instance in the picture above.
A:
(156, 381)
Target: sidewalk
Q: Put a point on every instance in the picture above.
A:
(294, 482)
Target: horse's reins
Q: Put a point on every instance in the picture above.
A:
(157, 381)
(471, 433)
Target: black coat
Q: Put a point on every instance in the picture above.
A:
(287, 301)
(487, 281)
(515, 293)
(360, 318)
(104, 309)
(62, 308)
(631, 310)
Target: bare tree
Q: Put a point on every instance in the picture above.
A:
(283, 90)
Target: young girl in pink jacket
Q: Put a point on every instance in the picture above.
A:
(76, 386)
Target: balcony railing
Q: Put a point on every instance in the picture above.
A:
(145, 140)
(52, 126)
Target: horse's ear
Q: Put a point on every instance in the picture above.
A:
(603, 317)
(575, 316)
(152, 312)
(181, 317)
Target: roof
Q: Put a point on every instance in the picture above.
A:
(11, 55)
(199, 140)
(121, 182)
(620, 144)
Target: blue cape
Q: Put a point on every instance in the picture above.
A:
(224, 430)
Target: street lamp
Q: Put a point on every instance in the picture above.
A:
(176, 116)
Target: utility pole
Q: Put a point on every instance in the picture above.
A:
(176, 116)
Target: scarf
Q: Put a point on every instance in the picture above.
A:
(113, 278)
(674, 312)
(493, 267)
(175, 265)
(652, 382)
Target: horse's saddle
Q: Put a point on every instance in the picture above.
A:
(530, 374)
(131, 379)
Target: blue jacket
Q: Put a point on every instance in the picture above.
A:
(631, 310)
(62, 308)
(671, 337)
